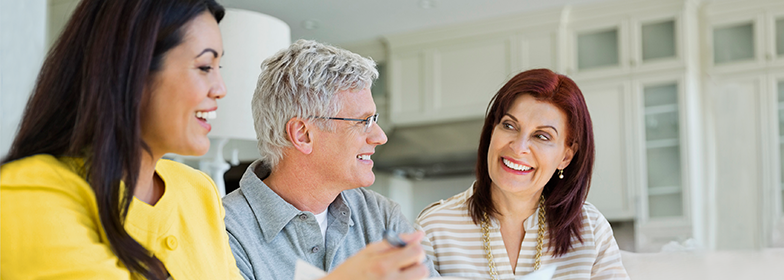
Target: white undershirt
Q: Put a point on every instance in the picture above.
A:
(322, 220)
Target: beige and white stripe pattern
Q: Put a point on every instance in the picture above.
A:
(455, 244)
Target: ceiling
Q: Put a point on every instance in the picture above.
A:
(342, 22)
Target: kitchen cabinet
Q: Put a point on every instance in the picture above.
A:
(450, 74)
(450, 82)
(643, 154)
(670, 159)
(637, 65)
(616, 39)
(745, 67)
(738, 102)
(611, 108)
(744, 36)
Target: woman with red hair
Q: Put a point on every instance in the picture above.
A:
(527, 207)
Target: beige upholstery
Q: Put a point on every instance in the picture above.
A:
(762, 264)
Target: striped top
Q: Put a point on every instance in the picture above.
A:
(455, 244)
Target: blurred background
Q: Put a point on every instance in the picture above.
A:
(686, 97)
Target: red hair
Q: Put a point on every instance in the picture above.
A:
(565, 197)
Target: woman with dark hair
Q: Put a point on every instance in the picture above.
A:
(527, 207)
(85, 193)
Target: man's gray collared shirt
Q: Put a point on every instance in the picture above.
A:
(268, 235)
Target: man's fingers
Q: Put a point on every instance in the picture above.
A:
(413, 237)
(378, 247)
(404, 257)
(383, 246)
(418, 271)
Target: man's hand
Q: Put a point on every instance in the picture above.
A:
(380, 260)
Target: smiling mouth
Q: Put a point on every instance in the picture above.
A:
(203, 115)
(363, 157)
(515, 166)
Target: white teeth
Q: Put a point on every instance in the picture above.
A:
(515, 166)
(364, 157)
(207, 115)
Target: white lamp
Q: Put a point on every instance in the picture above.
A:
(248, 38)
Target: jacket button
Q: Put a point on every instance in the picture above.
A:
(315, 249)
(171, 242)
(303, 217)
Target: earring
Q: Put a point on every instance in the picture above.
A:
(560, 173)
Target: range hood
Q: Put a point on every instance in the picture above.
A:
(428, 151)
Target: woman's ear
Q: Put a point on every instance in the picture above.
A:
(568, 155)
(298, 132)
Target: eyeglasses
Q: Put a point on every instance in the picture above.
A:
(368, 122)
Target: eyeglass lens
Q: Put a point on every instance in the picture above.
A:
(370, 120)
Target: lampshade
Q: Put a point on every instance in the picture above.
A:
(248, 39)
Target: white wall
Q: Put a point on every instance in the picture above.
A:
(22, 47)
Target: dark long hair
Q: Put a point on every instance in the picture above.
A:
(86, 102)
(565, 197)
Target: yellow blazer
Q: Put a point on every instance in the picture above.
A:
(49, 225)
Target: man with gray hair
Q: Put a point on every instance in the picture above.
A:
(304, 199)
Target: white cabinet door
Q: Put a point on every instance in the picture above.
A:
(466, 76)
(668, 167)
(609, 106)
(407, 87)
(454, 80)
(737, 106)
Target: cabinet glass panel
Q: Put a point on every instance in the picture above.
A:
(666, 94)
(733, 43)
(668, 205)
(662, 126)
(597, 49)
(662, 145)
(664, 180)
(661, 114)
(658, 40)
(779, 29)
(780, 87)
(664, 168)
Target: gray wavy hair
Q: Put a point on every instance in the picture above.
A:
(301, 82)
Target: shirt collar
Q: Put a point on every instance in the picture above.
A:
(271, 211)
(532, 222)
(341, 210)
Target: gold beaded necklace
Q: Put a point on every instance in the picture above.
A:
(489, 252)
